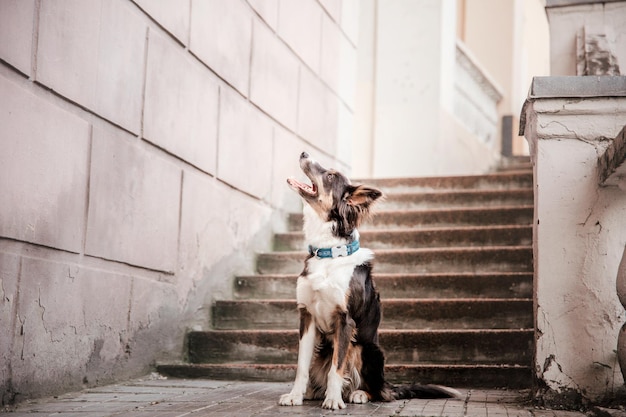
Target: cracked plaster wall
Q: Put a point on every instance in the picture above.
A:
(144, 150)
(579, 235)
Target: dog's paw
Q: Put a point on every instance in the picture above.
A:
(333, 403)
(359, 397)
(290, 399)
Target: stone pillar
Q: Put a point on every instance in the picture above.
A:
(579, 234)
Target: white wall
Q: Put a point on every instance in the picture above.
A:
(145, 146)
(407, 118)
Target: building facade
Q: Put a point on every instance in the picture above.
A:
(144, 147)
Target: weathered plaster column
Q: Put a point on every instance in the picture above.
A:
(579, 234)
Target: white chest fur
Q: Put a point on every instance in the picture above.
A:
(324, 288)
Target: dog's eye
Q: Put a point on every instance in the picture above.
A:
(330, 177)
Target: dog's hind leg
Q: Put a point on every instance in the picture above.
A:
(305, 354)
(343, 329)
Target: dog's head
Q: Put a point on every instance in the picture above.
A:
(333, 197)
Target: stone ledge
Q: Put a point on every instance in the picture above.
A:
(564, 3)
(567, 87)
(578, 86)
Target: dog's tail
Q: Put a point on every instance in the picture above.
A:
(403, 392)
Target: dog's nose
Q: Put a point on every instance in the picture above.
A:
(304, 155)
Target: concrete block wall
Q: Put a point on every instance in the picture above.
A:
(144, 147)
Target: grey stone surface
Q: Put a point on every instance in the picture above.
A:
(181, 106)
(9, 276)
(103, 43)
(338, 60)
(39, 207)
(172, 14)
(317, 112)
(16, 33)
(246, 142)
(274, 74)
(562, 3)
(578, 86)
(133, 204)
(268, 10)
(299, 24)
(229, 23)
(178, 398)
(52, 333)
(218, 229)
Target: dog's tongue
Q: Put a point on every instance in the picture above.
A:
(309, 189)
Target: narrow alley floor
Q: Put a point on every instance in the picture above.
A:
(153, 396)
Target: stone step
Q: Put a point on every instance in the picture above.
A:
(459, 376)
(458, 259)
(445, 285)
(517, 163)
(478, 313)
(515, 235)
(456, 198)
(400, 346)
(498, 180)
(472, 216)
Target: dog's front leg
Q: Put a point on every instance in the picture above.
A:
(344, 327)
(305, 354)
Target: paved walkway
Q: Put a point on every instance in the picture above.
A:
(195, 398)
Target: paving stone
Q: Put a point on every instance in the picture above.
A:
(237, 399)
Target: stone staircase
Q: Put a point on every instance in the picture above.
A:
(454, 268)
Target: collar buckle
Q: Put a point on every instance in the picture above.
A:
(337, 251)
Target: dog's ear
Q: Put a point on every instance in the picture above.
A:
(362, 196)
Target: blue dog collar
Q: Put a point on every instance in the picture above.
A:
(335, 251)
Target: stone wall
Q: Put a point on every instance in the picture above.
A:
(144, 147)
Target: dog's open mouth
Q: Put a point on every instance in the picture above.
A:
(305, 188)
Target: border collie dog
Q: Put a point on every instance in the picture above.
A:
(339, 358)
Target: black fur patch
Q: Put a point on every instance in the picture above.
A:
(305, 320)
